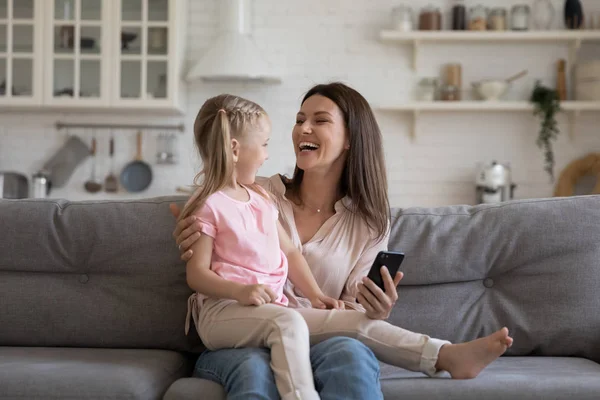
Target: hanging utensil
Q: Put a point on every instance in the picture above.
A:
(161, 153)
(65, 161)
(171, 156)
(111, 183)
(93, 185)
(137, 175)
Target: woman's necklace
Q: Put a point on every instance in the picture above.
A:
(318, 210)
(303, 205)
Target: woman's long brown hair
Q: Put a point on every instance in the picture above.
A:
(220, 119)
(364, 179)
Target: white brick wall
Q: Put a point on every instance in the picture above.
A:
(316, 41)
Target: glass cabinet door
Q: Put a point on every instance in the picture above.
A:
(144, 50)
(78, 53)
(20, 52)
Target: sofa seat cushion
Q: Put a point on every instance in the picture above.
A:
(543, 378)
(195, 389)
(84, 373)
(547, 378)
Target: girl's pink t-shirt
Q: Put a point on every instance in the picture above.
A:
(246, 243)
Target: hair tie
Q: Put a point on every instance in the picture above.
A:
(222, 110)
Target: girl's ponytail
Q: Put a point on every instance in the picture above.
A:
(222, 159)
(217, 170)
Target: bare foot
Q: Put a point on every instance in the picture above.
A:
(467, 360)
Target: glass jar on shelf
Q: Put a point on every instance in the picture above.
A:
(430, 19)
(519, 18)
(428, 88)
(497, 20)
(543, 14)
(459, 16)
(478, 18)
(402, 18)
(449, 93)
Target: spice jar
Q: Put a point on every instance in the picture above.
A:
(459, 16)
(402, 18)
(449, 93)
(428, 89)
(519, 19)
(430, 19)
(478, 18)
(453, 77)
(497, 20)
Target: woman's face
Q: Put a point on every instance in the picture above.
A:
(319, 135)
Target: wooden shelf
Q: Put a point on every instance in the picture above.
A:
(573, 38)
(485, 106)
(572, 108)
(459, 106)
(489, 36)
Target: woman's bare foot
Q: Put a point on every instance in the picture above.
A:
(467, 360)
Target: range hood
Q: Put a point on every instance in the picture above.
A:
(233, 57)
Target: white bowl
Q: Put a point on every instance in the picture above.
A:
(491, 89)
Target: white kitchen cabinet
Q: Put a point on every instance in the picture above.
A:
(77, 53)
(21, 52)
(148, 53)
(107, 55)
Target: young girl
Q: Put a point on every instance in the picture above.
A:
(243, 258)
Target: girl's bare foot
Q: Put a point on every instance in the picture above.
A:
(467, 360)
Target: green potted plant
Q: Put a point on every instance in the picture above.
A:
(546, 103)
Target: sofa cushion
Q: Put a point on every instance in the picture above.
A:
(68, 373)
(523, 378)
(530, 265)
(92, 274)
(195, 388)
(543, 378)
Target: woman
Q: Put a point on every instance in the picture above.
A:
(335, 208)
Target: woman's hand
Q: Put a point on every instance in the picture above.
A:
(377, 303)
(325, 302)
(186, 233)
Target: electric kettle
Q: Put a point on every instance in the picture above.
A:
(494, 183)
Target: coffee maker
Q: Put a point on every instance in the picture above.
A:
(494, 183)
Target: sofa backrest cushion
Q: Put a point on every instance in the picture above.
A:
(530, 265)
(92, 274)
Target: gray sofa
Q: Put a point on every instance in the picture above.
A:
(93, 299)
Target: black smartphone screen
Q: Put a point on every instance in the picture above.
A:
(391, 259)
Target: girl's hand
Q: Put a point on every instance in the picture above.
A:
(325, 302)
(377, 303)
(186, 233)
(255, 295)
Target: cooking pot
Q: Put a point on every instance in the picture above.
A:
(13, 185)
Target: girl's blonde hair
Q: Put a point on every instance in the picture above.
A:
(220, 119)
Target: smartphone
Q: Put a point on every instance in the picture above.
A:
(391, 259)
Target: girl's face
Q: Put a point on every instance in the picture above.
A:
(250, 151)
(320, 137)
